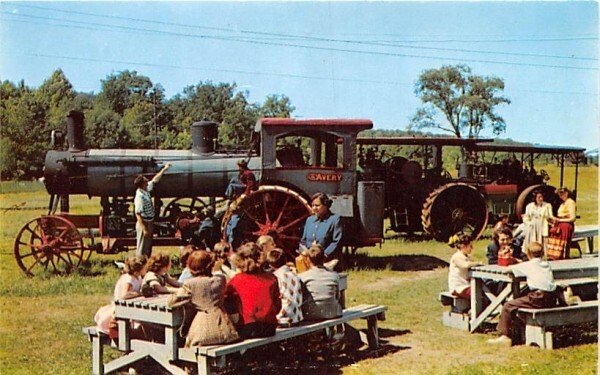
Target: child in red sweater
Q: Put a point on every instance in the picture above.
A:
(255, 294)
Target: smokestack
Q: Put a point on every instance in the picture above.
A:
(75, 131)
(204, 136)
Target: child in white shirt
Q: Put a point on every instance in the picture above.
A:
(542, 294)
(458, 282)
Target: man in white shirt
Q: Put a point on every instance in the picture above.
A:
(542, 291)
(144, 211)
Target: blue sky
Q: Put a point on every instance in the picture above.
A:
(333, 59)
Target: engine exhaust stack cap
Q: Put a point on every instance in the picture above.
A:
(204, 136)
(75, 131)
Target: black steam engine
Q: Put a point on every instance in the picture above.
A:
(292, 160)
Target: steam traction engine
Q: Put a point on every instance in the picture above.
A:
(423, 196)
(297, 159)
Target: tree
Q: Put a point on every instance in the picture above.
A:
(56, 95)
(277, 106)
(23, 120)
(125, 89)
(466, 102)
(215, 102)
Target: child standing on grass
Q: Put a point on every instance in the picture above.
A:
(290, 289)
(460, 263)
(157, 279)
(540, 282)
(128, 286)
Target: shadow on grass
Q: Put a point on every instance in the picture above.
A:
(386, 332)
(307, 354)
(94, 267)
(394, 262)
(584, 333)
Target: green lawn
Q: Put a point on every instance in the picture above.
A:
(41, 318)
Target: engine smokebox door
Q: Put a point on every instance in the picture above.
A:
(371, 203)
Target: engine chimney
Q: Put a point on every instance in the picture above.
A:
(204, 136)
(75, 131)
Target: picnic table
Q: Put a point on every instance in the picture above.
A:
(155, 310)
(585, 233)
(564, 272)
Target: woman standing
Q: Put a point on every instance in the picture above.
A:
(564, 226)
(537, 214)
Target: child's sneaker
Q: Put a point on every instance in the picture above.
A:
(502, 340)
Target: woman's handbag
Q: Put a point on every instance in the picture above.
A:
(555, 248)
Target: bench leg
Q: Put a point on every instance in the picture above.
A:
(204, 365)
(124, 339)
(171, 343)
(97, 355)
(538, 335)
(372, 332)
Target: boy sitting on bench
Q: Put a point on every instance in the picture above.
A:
(321, 288)
(542, 291)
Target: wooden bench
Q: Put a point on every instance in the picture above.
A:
(208, 357)
(537, 320)
(457, 316)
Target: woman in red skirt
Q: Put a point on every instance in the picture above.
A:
(564, 225)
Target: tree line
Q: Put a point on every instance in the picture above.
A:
(130, 111)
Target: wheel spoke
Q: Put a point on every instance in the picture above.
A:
(287, 200)
(68, 262)
(294, 222)
(33, 232)
(266, 208)
(251, 216)
(37, 260)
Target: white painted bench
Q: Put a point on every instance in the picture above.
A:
(208, 357)
(457, 316)
(537, 320)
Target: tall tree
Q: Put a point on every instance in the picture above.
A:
(23, 120)
(277, 106)
(221, 103)
(124, 89)
(457, 101)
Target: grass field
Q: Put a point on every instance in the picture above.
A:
(41, 318)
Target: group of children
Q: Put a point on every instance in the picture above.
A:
(542, 290)
(236, 294)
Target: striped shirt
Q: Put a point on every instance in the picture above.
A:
(143, 202)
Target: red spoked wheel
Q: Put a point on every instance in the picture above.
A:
(272, 210)
(48, 244)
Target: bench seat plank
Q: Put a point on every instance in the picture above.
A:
(208, 356)
(353, 313)
(537, 320)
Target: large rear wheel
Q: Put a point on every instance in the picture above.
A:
(272, 210)
(527, 197)
(454, 208)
